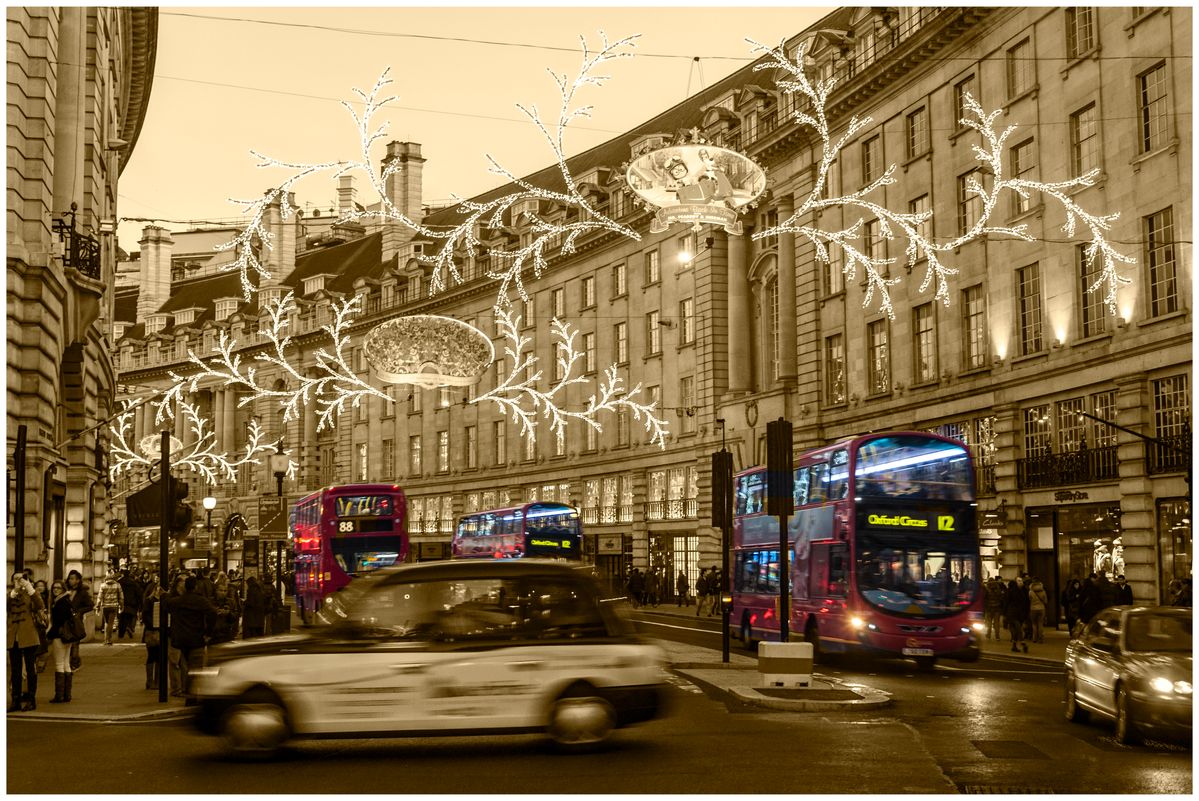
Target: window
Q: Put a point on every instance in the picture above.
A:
(363, 461)
(588, 291)
(328, 464)
(653, 333)
(873, 244)
(961, 89)
(622, 342)
(558, 303)
(970, 202)
(925, 356)
(530, 448)
(1084, 140)
(223, 308)
(1028, 281)
(921, 205)
(834, 277)
(1159, 257)
(834, 369)
(917, 132)
(653, 272)
(389, 405)
(1021, 69)
(589, 352)
(974, 327)
(389, 460)
(1038, 431)
(687, 321)
(471, 435)
(559, 367)
(687, 248)
(560, 442)
(443, 397)
(499, 440)
(618, 280)
(772, 328)
(414, 400)
(872, 158)
(1171, 406)
(1153, 108)
(622, 426)
(592, 441)
(687, 401)
(1080, 31)
(1024, 162)
(1094, 317)
(880, 357)
(414, 467)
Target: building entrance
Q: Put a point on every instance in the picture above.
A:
(1078, 540)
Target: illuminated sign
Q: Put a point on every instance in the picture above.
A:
(549, 543)
(904, 521)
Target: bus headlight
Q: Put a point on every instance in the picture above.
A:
(857, 623)
(979, 626)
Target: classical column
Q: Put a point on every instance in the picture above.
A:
(308, 449)
(181, 425)
(229, 430)
(217, 410)
(787, 299)
(740, 318)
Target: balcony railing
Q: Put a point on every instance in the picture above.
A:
(984, 478)
(1083, 466)
(79, 250)
(682, 509)
(610, 515)
(1169, 455)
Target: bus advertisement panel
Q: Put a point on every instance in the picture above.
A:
(345, 531)
(546, 530)
(883, 551)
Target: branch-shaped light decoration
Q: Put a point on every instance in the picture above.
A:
(795, 82)
(200, 456)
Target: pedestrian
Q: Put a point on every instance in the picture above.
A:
(994, 596)
(253, 619)
(174, 654)
(1107, 591)
(24, 608)
(112, 601)
(1015, 612)
(43, 625)
(190, 622)
(1123, 591)
(653, 584)
(682, 589)
(130, 606)
(1089, 602)
(152, 632)
(701, 591)
(715, 589)
(1038, 600)
(637, 588)
(228, 614)
(1071, 596)
(69, 603)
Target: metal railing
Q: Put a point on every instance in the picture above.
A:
(681, 509)
(1168, 454)
(984, 478)
(1083, 466)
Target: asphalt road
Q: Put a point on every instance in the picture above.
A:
(985, 729)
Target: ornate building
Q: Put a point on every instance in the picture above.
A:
(729, 332)
(78, 85)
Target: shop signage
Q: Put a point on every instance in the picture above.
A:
(272, 522)
(607, 544)
(1068, 495)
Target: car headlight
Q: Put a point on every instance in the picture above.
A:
(1182, 687)
(1161, 685)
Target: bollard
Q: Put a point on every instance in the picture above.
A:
(785, 664)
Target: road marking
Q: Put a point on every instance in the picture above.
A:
(1005, 672)
(683, 628)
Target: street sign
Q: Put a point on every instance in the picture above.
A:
(144, 507)
(272, 517)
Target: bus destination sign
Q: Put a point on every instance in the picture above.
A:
(924, 522)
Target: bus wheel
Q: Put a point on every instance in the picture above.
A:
(256, 725)
(747, 636)
(926, 662)
(580, 719)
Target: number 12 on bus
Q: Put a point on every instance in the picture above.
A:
(883, 550)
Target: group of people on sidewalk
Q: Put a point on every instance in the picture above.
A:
(650, 589)
(205, 608)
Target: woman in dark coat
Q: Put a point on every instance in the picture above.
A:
(253, 619)
(151, 632)
(24, 606)
(1016, 612)
(72, 600)
(1071, 596)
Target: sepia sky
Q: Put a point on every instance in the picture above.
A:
(224, 83)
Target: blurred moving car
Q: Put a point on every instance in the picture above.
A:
(1133, 664)
(460, 647)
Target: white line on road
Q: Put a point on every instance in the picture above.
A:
(1005, 672)
(683, 628)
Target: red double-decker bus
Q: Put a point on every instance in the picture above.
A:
(344, 531)
(883, 550)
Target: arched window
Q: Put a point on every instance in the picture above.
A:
(772, 328)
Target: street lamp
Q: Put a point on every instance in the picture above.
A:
(279, 465)
(209, 505)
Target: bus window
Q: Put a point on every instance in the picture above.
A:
(751, 491)
(817, 486)
(838, 570)
(801, 486)
(838, 476)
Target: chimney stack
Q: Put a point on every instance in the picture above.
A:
(280, 259)
(156, 247)
(347, 195)
(403, 189)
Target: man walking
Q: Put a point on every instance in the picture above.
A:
(131, 604)
(112, 601)
(192, 617)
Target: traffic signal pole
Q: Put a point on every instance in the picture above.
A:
(167, 510)
(722, 518)
(780, 500)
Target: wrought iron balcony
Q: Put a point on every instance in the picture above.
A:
(984, 478)
(1084, 466)
(1169, 454)
(682, 509)
(80, 251)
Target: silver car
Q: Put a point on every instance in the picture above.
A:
(1133, 664)
(459, 647)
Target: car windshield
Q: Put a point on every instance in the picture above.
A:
(1148, 631)
(916, 579)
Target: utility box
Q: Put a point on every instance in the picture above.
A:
(785, 664)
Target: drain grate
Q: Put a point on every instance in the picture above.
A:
(1003, 789)
(1008, 749)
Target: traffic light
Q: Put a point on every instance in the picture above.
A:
(780, 470)
(722, 490)
(181, 511)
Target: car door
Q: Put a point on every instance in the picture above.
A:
(1097, 664)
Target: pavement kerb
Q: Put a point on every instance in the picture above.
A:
(175, 713)
(871, 697)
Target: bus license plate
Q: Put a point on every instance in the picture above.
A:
(917, 651)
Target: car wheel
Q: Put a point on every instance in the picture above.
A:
(580, 719)
(1074, 712)
(255, 725)
(1126, 729)
(747, 636)
(926, 662)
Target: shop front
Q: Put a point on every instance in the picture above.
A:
(1173, 544)
(670, 552)
(1072, 540)
(611, 559)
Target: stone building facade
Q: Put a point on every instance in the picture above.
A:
(729, 332)
(79, 82)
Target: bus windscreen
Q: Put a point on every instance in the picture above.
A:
(913, 468)
(364, 505)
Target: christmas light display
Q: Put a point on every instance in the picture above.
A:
(428, 350)
(811, 103)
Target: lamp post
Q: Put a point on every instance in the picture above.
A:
(209, 505)
(279, 465)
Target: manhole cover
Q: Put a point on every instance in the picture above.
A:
(1008, 749)
(804, 694)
